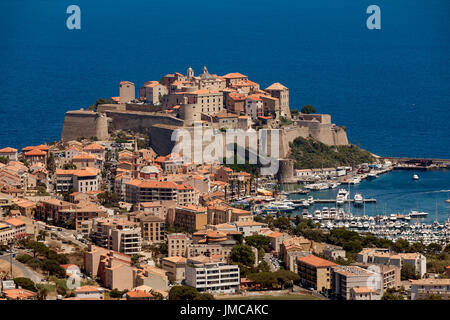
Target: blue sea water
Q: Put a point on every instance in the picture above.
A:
(389, 87)
(396, 192)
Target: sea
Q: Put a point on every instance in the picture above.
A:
(389, 87)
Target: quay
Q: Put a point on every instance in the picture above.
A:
(332, 200)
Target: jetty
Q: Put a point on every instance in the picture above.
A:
(332, 200)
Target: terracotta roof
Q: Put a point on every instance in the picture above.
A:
(35, 152)
(234, 75)
(94, 146)
(18, 293)
(176, 259)
(276, 86)
(139, 294)
(88, 289)
(15, 222)
(315, 261)
(8, 150)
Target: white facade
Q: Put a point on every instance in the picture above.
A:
(212, 277)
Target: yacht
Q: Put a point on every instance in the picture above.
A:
(311, 199)
(371, 176)
(333, 213)
(279, 206)
(340, 200)
(305, 204)
(325, 213)
(318, 214)
(344, 193)
(416, 214)
(334, 185)
(355, 180)
(358, 199)
(415, 177)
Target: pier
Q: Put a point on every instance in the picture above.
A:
(332, 200)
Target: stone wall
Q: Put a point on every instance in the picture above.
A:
(84, 123)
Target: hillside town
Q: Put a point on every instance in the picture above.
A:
(108, 217)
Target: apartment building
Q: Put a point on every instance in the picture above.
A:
(315, 272)
(177, 244)
(343, 278)
(152, 227)
(385, 257)
(423, 288)
(117, 234)
(191, 217)
(175, 267)
(137, 191)
(82, 180)
(207, 274)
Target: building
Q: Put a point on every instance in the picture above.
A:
(9, 153)
(152, 228)
(254, 106)
(343, 278)
(127, 91)
(177, 244)
(35, 156)
(191, 217)
(137, 191)
(383, 256)
(117, 235)
(207, 274)
(175, 267)
(152, 277)
(80, 180)
(333, 252)
(390, 275)
(277, 90)
(423, 288)
(89, 292)
(315, 272)
(19, 294)
(364, 293)
(152, 92)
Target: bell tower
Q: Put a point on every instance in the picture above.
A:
(190, 73)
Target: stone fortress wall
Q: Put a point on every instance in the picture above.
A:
(160, 126)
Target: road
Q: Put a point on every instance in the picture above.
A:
(64, 234)
(26, 271)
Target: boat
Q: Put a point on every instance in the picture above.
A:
(340, 200)
(355, 180)
(344, 193)
(311, 199)
(416, 214)
(318, 215)
(358, 199)
(448, 200)
(372, 176)
(305, 204)
(415, 177)
(279, 207)
(334, 185)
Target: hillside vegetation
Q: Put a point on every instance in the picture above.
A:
(309, 153)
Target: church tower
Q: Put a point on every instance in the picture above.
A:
(190, 73)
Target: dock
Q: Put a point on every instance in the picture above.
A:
(333, 200)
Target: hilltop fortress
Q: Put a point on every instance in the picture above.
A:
(179, 101)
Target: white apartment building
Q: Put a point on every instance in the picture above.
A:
(81, 180)
(207, 275)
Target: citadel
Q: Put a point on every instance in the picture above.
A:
(231, 101)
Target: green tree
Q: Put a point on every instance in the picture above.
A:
(117, 294)
(285, 277)
(408, 271)
(258, 241)
(4, 159)
(25, 283)
(182, 293)
(243, 253)
(37, 247)
(204, 296)
(69, 166)
(308, 109)
(391, 296)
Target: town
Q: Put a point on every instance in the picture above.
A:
(110, 212)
